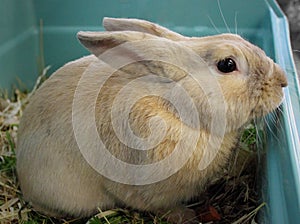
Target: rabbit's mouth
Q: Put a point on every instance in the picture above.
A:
(267, 104)
(272, 98)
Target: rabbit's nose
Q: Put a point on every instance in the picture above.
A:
(284, 84)
(280, 75)
(283, 80)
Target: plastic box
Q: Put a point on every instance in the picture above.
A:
(260, 21)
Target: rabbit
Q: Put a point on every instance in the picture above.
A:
(137, 95)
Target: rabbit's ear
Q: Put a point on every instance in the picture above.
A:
(99, 42)
(113, 24)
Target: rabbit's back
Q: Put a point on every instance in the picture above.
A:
(49, 161)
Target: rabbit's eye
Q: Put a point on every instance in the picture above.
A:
(226, 65)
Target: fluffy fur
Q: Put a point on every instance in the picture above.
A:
(57, 180)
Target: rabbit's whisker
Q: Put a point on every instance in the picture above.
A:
(280, 110)
(276, 115)
(273, 134)
(258, 136)
(223, 18)
(272, 118)
(236, 22)
(213, 24)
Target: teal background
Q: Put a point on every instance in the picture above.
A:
(259, 21)
(20, 55)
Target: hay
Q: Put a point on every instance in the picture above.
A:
(233, 196)
(10, 204)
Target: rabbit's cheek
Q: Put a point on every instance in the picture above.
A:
(271, 97)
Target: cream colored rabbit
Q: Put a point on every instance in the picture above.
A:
(95, 134)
